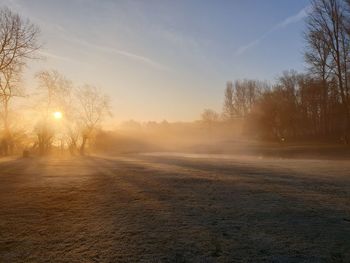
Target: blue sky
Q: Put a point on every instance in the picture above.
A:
(164, 59)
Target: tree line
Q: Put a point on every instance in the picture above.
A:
(311, 105)
(82, 108)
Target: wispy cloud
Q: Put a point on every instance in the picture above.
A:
(286, 22)
(119, 52)
(248, 46)
(47, 54)
(70, 37)
(293, 19)
(102, 48)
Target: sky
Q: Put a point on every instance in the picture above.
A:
(164, 59)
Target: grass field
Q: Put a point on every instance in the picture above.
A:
(174, 208)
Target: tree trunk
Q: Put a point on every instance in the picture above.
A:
(83, 144)
(325, 107)
(7, 136)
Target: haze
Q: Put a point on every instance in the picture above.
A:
(155, 56)
(175, 131)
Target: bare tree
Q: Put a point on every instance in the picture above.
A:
(18, 42)
(209, 116)
(55, 96)
(229, 112)
(93, 107)
(246, 92)
(45, 135)
(318, 57)
(73, 134)
(18, 38)
(9, 88)
(328, 18)
(56, 91)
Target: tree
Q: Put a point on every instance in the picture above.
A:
(318, 57)
(18, 39)
(56, 91)
(328, 21)
(247, 92)
(10, 78)
(229, 111)
(209, 116)
(18, 42)
(55, 96)
(93, 107)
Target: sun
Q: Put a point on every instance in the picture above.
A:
(57, 115)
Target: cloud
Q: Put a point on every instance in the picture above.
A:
(80, 41)
(286, 22)
(70, 37)
(120, 52)
(47, 54)
(250, 45)
(293, 19)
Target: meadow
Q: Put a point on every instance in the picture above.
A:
(174, 208)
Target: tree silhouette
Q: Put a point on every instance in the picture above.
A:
(93, 107)
(18, 42)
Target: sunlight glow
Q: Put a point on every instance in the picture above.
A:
(57, 115)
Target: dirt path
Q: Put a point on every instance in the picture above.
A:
(174, 209)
